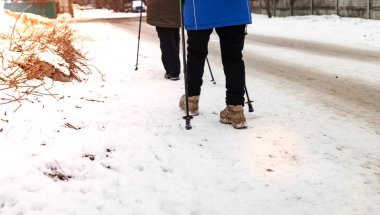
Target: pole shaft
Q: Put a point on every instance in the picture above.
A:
(209, 67)
(138, 41)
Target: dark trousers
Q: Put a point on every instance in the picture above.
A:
(169, 44)
(231, 44)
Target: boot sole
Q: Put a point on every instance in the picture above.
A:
(236, 126)
(173, 78)
(191, 113)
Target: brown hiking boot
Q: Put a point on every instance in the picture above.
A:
(234, 115)
(193, 104)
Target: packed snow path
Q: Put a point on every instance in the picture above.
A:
(308, 148)
(343, 78)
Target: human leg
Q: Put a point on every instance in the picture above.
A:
(197, 51)
(232, 44)
(169, 44)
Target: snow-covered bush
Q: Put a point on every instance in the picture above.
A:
(32, 50)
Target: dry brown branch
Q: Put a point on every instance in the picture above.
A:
(17, 108)
(71, 126)
(93, 100)
(56, 173)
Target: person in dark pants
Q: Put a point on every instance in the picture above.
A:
(231, 42)
(165, 16)
(169, 44)
(229, 19)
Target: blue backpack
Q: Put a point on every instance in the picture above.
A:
(206, 14)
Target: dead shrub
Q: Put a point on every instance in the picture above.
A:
(34, 51)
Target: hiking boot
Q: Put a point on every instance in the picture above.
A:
(173, 78)
(234, 115)
(193, 104)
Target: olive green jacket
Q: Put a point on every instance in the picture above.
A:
(164, 13)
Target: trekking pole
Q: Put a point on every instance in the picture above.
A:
(187, 117)
(209, 67)
(138, 41)
(249, 102)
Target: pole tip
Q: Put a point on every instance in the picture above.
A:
(188, 120)
(250, 108)
(188, 127)
(136, 68)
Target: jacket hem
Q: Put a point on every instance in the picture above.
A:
(218, 25)
(163, 25)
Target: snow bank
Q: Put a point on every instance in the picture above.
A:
(332, 29)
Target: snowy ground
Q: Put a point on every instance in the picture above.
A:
(123, 143)
(333, 29)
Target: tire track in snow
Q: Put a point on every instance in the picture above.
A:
(348, 96)
(316, 48)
